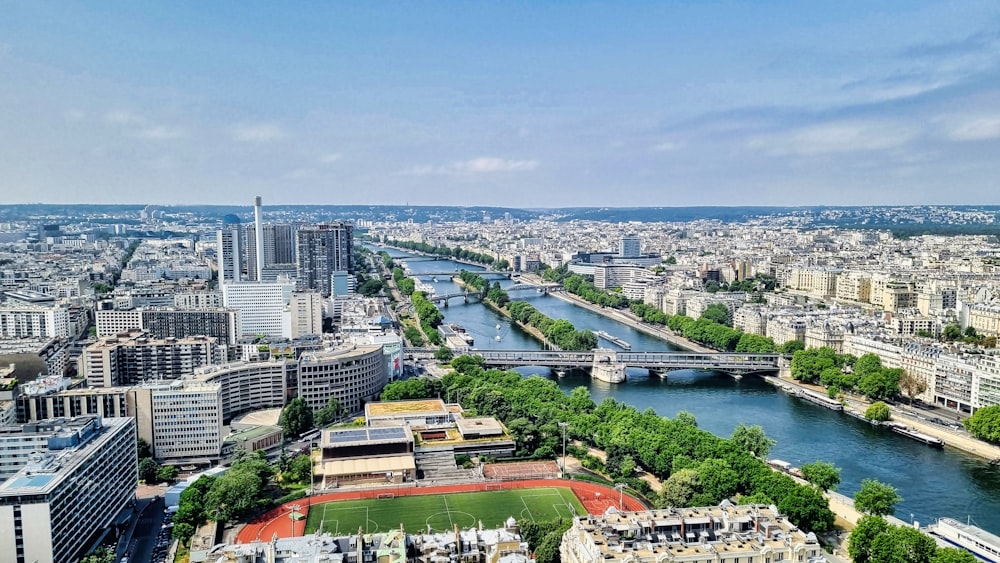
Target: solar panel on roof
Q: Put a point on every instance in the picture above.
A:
(342, 436)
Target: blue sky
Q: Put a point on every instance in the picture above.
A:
(525, 104)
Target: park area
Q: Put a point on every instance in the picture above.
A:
(443, 511)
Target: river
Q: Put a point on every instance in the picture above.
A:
(933, 483)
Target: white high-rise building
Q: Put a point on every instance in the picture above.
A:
(261, 306)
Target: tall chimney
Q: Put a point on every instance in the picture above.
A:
(259, 237)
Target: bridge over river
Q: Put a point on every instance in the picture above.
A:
(609, 365)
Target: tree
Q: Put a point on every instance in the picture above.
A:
(329, 413)
(679, 488)
(101, 555)
(807, 508)
(167, 473)
(953, 555)
(911, 385)
(903, 544)
(182, 532)
(863, 536)
(147, 470)
(299, 470)
(792, 346)
(878, 412)
(881, 383)
(985, 424)
(822, 474)
(296, 418)
(443, 354)
(143, 449)
(686, 417)
(752, 439)
(232, 495)
(876, 498)
(951, 332)
(716, 313)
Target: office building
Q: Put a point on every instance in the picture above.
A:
(322, 250)
(629, 247)
(353, 374)
(261, 306)
(57, 505)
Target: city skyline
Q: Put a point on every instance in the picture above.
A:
(528, 105)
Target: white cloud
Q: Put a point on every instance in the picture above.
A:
(979, 128)
(259, 133)
(667, 146)
(492, 164)
(124, 117)
(160, 132)
(481, 165)
(329, 158)
(838, 137)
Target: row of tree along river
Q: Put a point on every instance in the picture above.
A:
(933, 482)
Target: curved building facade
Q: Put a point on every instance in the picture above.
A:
(352, 374)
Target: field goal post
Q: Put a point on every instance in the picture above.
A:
(386, 496)
(498, 486)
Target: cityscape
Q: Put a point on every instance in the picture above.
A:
(544, 282)
(341, 361)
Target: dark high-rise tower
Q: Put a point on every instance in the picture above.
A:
(322, 250)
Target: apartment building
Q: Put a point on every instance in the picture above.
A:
(68, 492)
(217, 322)
(134, 357)
(261, 306)
(728, 533)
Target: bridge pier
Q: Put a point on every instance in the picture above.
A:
(606, 367)
(445, 303)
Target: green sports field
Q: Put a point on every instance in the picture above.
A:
(441, 512)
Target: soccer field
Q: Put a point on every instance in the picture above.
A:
(442, 512)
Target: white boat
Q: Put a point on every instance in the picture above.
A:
(498, 326)
(498, 338)
(981, 543)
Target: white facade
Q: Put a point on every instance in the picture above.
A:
(52, 509)
(261, 306)
(186, 420)
(34, 322)
(305, 314)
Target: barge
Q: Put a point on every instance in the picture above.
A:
(613, 339)
(913, 434)
(819, 400)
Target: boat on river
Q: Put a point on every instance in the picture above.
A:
(913, 434)
(613, 339)
(982, 544)
(819, 400)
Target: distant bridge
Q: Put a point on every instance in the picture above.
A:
(483, 273)
(610, 365)
(444, 298)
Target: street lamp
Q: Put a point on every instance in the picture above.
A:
(291, 516)
(563, 426)
(621, 495)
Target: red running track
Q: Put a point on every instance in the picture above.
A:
(595, 498)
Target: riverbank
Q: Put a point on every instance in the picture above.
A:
(958, 439)
(627, 318)
(530, 330)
